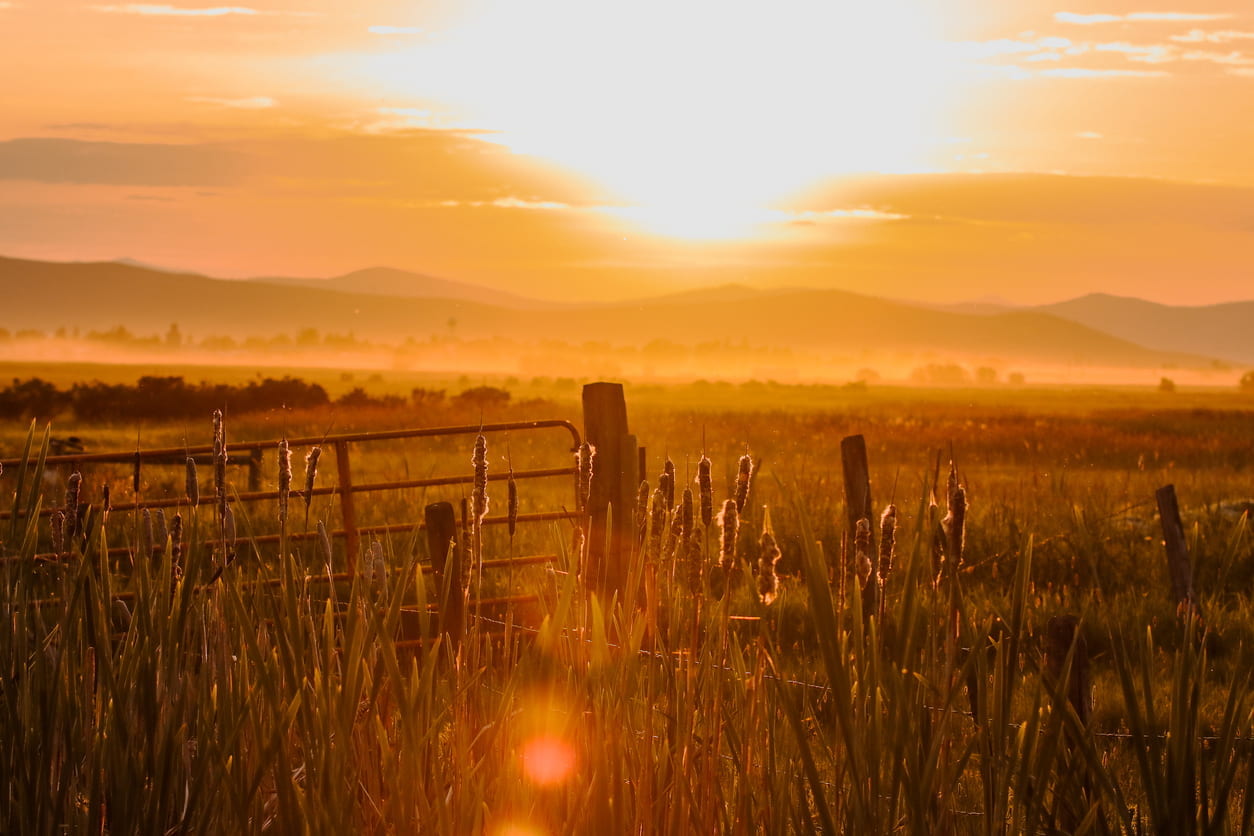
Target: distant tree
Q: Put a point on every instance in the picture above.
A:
(1166, 385)
(1016, 379)
(174, 337)
(1247, 381)
(482, 397)
(986, 376)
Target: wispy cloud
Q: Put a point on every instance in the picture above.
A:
(1225, 36)
(396, 30)
(175, 11)
(254, 103)
(1089, 135)
(6, 5)
(1244, 72)
(1088, 72)
(1136, 17)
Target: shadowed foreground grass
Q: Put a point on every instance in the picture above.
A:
(185, 694)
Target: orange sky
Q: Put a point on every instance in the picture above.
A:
(568, 148)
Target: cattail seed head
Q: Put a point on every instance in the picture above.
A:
(480, 492)
(657, 523)
(744, 475)
(73, 489)
(768, 556)
(694, 558)
(146, 534)
(159, 533)
(285, 479)
(686, 522)
(705, 487)
(106, 505)
(311, 474)
(176, 537)
(583, 481)
(667, 483)
(192, 486)
(862, 550)
(642, 511)
(378, 570)
(511, 504)
(729, 523)
(56, 526)
(324, 541)
(135, 473)
(888, 540)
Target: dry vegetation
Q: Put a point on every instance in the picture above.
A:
(763, 670)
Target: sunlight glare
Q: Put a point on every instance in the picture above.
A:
(548, 760)
(695, 115)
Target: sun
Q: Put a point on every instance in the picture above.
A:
(697, 115)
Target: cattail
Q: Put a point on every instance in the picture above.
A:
(176, 537)
(192, 486)
(468, 553)
(686, 524)
(135, 473)
(706, 488)
(888, 540)
(145, 530)
(160, 534)
(667, 483)
(56, 524)
(954, 524)
(285, 479)
(729, 523)
(324, 540)
(228, 531)
(583, 481)
(768, 556)
(657, 523)
(577, 542)
(642, 511)
(378, 571)
(73, 487)
(694, 557)
(311, 473)
(862, 550)
(219, 462)
(105, 504)
(511, 504)
(743, 478)
(480, 492)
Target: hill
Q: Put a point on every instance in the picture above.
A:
(1225, 331)
(101, 296)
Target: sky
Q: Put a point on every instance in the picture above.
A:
(938, 150)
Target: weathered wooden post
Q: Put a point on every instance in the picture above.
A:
(857, 477)
(347, 509)
(1177, 551)
(447, 553)
(1063, 638)
(612, 494)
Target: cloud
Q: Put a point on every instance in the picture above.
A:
(1149, 53)
(175, 11)
(254, 103)
(396, 30)
(1135, 17)
(1243, 72)
(1089, 135)
(7, 5)
(1088, 72)
(1225, 36)
(47, 160)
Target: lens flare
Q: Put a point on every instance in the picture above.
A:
(547, 760)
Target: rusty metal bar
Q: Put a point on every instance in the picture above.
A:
(254, 496)
(178, 454)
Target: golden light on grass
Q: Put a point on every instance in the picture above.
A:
(548, 760)
(517, 829)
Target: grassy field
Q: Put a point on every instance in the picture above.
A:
(146, 695)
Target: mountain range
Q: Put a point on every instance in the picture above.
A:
(384, 305)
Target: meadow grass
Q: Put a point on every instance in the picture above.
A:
(183, 694)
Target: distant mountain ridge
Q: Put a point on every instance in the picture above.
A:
(1225, 330)
(100, 296)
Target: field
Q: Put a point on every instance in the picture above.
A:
(271, 692)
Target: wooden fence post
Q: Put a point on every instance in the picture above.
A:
(447, 553)
(347, 509)
(612, 493)
(857, 477)
(1177, 551)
